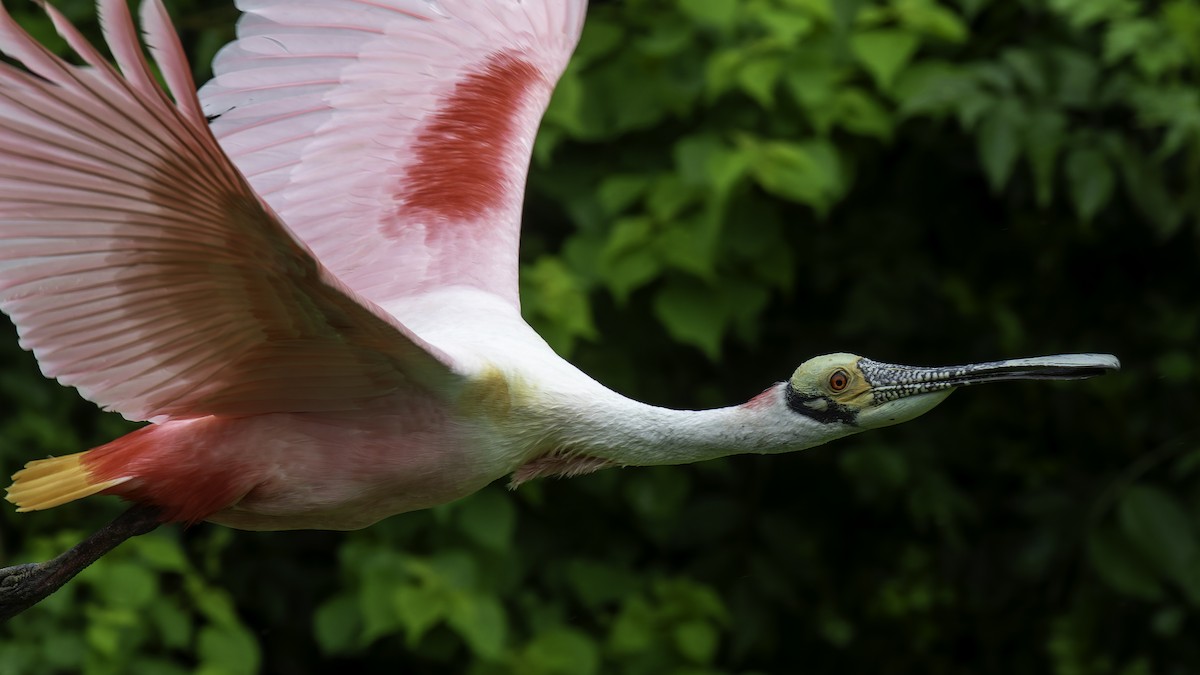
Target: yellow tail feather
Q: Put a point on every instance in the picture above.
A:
(45, 483)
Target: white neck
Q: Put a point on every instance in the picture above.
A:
(629, 433)
(562, 411)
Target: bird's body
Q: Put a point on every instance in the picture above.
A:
(520, 411)
(306, 278)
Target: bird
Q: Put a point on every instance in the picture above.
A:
(303, 276)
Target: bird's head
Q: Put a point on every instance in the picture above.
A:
(862, 394)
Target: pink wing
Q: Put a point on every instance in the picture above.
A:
(393, 136)
(140, 267)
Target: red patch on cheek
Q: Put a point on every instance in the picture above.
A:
(459, 171)
(763, 400)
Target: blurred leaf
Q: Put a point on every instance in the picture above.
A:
(417, 608)
(808, 173)
(489, 518)
(859, 113)
(926, 16)
(1090, 180)
(127, 584)
(691, 316)
(696, 640)
(1000, 142)
(1119, 565)
(596, 583)
(758, 78)
(161, 553)
(629, 260)
(481, 621)
(227, 650)
(884, 53)
(1044, 132)
(715, 13)
(1155, 522)
(563, 651)
(336, 625)
(633, 628)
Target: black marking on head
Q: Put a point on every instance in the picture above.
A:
(820, 408)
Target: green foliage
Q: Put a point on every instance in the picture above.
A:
(722, 189)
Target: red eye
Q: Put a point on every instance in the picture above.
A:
(839, 380)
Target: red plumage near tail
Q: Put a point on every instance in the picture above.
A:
(149, 466)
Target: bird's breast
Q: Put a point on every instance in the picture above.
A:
(344, 471)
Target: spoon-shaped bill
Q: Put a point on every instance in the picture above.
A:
(890, 381)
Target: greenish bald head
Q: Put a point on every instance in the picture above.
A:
(856, 391)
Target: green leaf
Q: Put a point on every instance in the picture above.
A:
(668, 197)
(598, 583)
(489, 518)
(127, 584)
(812, 84)
(1126, 38)
(563, 651)
(600, 38)
(629, 259)
(808, 173)
(69, 651)
(1076, 77)
(173, 624)
(934, 88)
(556, 303)
(758, 78)
(1090, 180)
(1119, 565)
(482, 623)
(161, 552)
(706, 161)
(999, 142)
(1027, 69)
(713, 13)
(1159, 527)
(786, 25)
(633, 631)
(336, 625)
(859, 113)
(1084, 13)
(696, 640)
(227, 650)
(884, 53)
(1044, 133)
(691, 316)
(1145, 184)
(416, 608)
(929, 18)
(618, 192)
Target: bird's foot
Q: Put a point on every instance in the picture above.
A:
(23, 586)
(10, 577)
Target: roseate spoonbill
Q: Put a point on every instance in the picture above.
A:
(305, 278)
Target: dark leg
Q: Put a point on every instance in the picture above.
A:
(23, 586)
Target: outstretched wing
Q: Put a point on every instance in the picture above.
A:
(393, 136)
(140, 267)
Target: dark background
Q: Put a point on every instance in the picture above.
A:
(723, 189)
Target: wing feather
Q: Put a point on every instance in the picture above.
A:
(393, 136)
(141, 268)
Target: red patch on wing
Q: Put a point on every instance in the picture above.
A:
(165, 472)
(459, 171)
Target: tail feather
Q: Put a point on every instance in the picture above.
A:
(46, 483)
